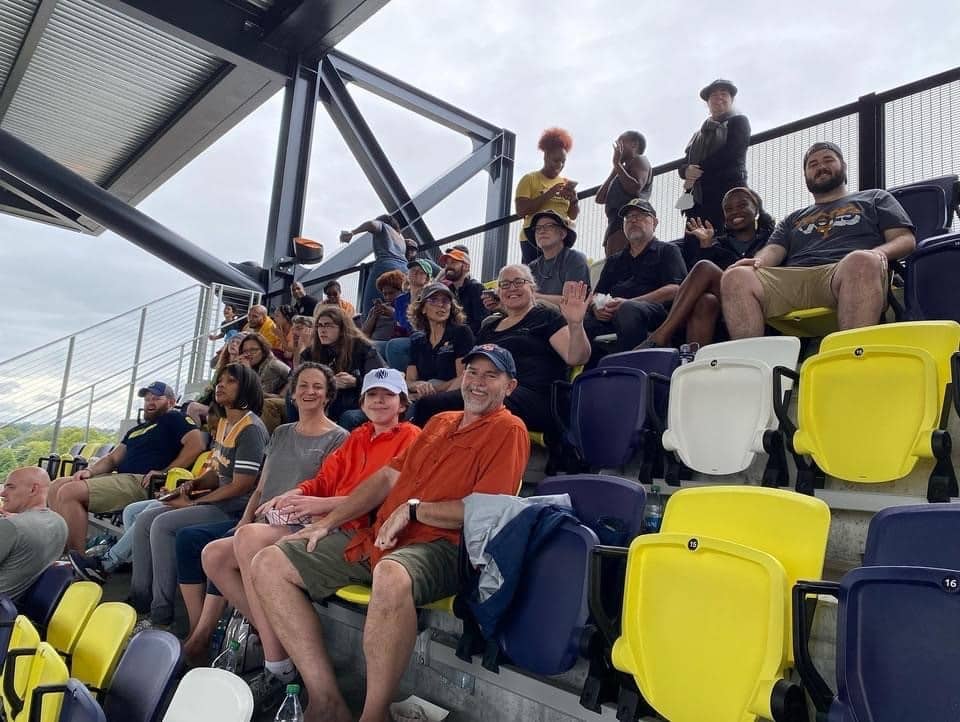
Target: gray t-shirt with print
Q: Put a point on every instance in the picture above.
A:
(568, 265)
(824, 233)
(293, 457)
(388, 243)
(29, 542)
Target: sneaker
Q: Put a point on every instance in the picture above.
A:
(89, 568)
(268, 690)
(145, 623)
(99, 550)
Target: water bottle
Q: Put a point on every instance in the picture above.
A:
(653, 511)
(216, 639)
(228, 658)
(688, 352)
(290, 710)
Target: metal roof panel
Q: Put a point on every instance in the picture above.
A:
(15, 17)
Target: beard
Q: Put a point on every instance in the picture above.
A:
(825, 185)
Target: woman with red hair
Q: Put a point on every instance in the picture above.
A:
(546, 189)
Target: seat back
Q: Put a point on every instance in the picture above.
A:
(46, 668)
(930, 290)
(941, 339)
(719, 409)
(211, 694)
(608, 409)
(703, 627)
(98, 650)
(8, 617)
(23, 636)
(930, 204)
(866, 414)
(550, 608)
(898, 644)
(145, 675)
(772, 350)
(198, 465)
(41, 599)
(923, 535)
(661, 361)
(79, 705)
(597, 500)
(71, 615)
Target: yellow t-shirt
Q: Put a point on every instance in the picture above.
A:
(531, 186)
(269, 331)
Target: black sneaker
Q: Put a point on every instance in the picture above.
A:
(268, 690)
(89, 568)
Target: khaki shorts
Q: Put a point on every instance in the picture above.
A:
(112, 492)
(432, 567)
(792, 289)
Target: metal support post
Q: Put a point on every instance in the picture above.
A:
(136, 363)
(86, 429)
(870, 127)
(290, 175)
(499, 198)
(63, 394)
(179, 368)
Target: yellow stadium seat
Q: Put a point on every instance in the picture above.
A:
(199, 466)
(71, 615)
(359, 594)
(175, 477)
(704, 629)
(100, 645)
(66, 466)
(806, 322)
(45, 668)
(24, 636)
(88, 450)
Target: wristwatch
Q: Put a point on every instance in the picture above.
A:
(412, 504)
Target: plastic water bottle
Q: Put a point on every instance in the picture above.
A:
(688, 352)
(219, 634)
(290, 710)
(228, 657)
(653, 511)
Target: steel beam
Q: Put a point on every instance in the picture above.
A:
(499, 204)
(870, 137)
(296, 28)
(25, 54)
(45, 174)
(410, 97)
(290, 174)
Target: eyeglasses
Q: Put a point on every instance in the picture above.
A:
(438, 300)
(636, 216)
(545, 226)
(251, 352)
(512, 283)
(325, 325)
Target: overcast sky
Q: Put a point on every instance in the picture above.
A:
(595, 68)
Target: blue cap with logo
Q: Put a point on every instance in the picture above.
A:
(158, 388)
(498, 356)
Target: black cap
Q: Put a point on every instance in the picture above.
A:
(432, 289)
(719, 84)
(499, 357)
(639, 204)
(823, 145)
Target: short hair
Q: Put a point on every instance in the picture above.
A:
(417, 314)
(230, 306)
(331, 284)
(637, 137)
(389, 220)
(555, 139)
(262, 343)
(391, 279)
(328, 375)
(249, 389)
(404, 402)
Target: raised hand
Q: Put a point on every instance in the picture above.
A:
(574, 301)
(702, 231)
(345, 236)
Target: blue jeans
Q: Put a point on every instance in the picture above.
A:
(370, 292)
(122, 551)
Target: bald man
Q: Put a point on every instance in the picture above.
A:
(259, 321)
(31, 535)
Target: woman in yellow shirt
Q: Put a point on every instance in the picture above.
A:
(546, 189)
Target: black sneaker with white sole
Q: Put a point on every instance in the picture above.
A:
(89, 568)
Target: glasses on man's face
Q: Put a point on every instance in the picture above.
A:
(321, 326)
(545, 226)
(512, 283)
(636, 217)
(438, 301)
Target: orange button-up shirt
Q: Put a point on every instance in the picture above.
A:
(359, 457)
(447, 463)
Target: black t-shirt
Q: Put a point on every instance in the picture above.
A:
(152, 445)
(538, 365)
(305, 305)
(439, 362)
(659, 265)
(470, 297)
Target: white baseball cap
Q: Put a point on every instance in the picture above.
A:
(389, 379)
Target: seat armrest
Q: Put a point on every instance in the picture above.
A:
(779, 406)
(608, 627)
(815, 684)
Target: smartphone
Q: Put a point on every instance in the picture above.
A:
(168, 497)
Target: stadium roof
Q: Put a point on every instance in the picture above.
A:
(127, 92)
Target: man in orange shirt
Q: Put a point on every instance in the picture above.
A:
(409, 556)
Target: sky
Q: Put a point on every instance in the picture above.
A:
(595, 68)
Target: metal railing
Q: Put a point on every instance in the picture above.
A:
(90, 378)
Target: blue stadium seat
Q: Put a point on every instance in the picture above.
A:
(41, 599)
(922, 535)
(78, 703)
(930, 288)
(898, 645)
(548, 616)
(930, 204)
(147, 671)
(8, 615)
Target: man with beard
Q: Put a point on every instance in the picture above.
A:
(166, 439)
(469, 291)
(259, 321)
(834, 253)
(409, 555)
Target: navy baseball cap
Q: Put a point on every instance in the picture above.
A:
(158, 388)
(498, 356)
